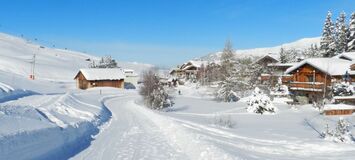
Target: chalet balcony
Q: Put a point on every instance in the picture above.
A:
(307, 86)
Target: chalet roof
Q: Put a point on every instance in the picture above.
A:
(270, 56)
(281, 64)
(338, 106)
(130, 72)
(192, 63)
(346, 55)
(102, 74)
(330, 66)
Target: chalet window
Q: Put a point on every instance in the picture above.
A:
(310, 78)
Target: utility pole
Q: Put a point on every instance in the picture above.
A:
(33, 64)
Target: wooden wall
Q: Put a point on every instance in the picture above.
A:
(82, 83)
(307, 70)
(339, 112)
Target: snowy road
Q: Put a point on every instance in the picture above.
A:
(135, 132)
(129, 135)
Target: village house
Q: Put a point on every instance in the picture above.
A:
(313, 78)
(277, 71)
(264, 62)
(100, 77)
(131, 77)
(188, 70)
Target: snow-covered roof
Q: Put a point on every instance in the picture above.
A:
(102, 74)
(193, 63)
(338, 106)
(331, 66)
(346, 55)
(267, 56)
(130, 72)
(281, 64)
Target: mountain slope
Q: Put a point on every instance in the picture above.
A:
(298, 45)
(16, 55)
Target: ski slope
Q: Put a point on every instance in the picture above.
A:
(16, 55)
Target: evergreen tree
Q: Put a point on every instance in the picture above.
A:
(351, 34)
(283, 56)
(287, 56)
(327, 40)
(341, 31)
(312, 52)
(227, 60)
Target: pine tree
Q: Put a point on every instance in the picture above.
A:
(351, 34)
(283, 55)
(341, 31)
(327, 41)
(227, 59)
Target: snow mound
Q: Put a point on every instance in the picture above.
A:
(57, 126)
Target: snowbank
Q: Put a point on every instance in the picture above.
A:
(9, 93)
(55, 126)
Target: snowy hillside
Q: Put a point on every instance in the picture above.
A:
(16, 55)
(298, 45)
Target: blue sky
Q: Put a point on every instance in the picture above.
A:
(165, 32)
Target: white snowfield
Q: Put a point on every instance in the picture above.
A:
(49, 119)
(16, 55)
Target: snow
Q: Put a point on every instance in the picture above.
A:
(346, 55)
(52, 64)
(281, 64)
(92, 74)
(48, 118)
(331, 66)
(338, 106)
(301, 44)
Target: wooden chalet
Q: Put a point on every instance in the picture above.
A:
(188, 69)
(100, 77)
(266, 60)
(313, 78)
(276, 71)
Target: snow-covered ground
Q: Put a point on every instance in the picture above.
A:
(48, 118)
(192, 130)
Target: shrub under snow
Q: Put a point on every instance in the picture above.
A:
(343, 89)
(340, 134)
(260, 103)
(223, 121)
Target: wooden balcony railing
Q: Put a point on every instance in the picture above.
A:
(307, 86)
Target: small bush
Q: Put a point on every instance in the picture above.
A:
(223, 121)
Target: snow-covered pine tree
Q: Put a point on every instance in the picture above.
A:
(340, 134)
(287, 56)
(351, 34)
(283, 55)
(313, 52)
(226, 91)
(154, 94)
(260, 103)
(341, 31)
(105, 62)
(327, 41)
(227, 59)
